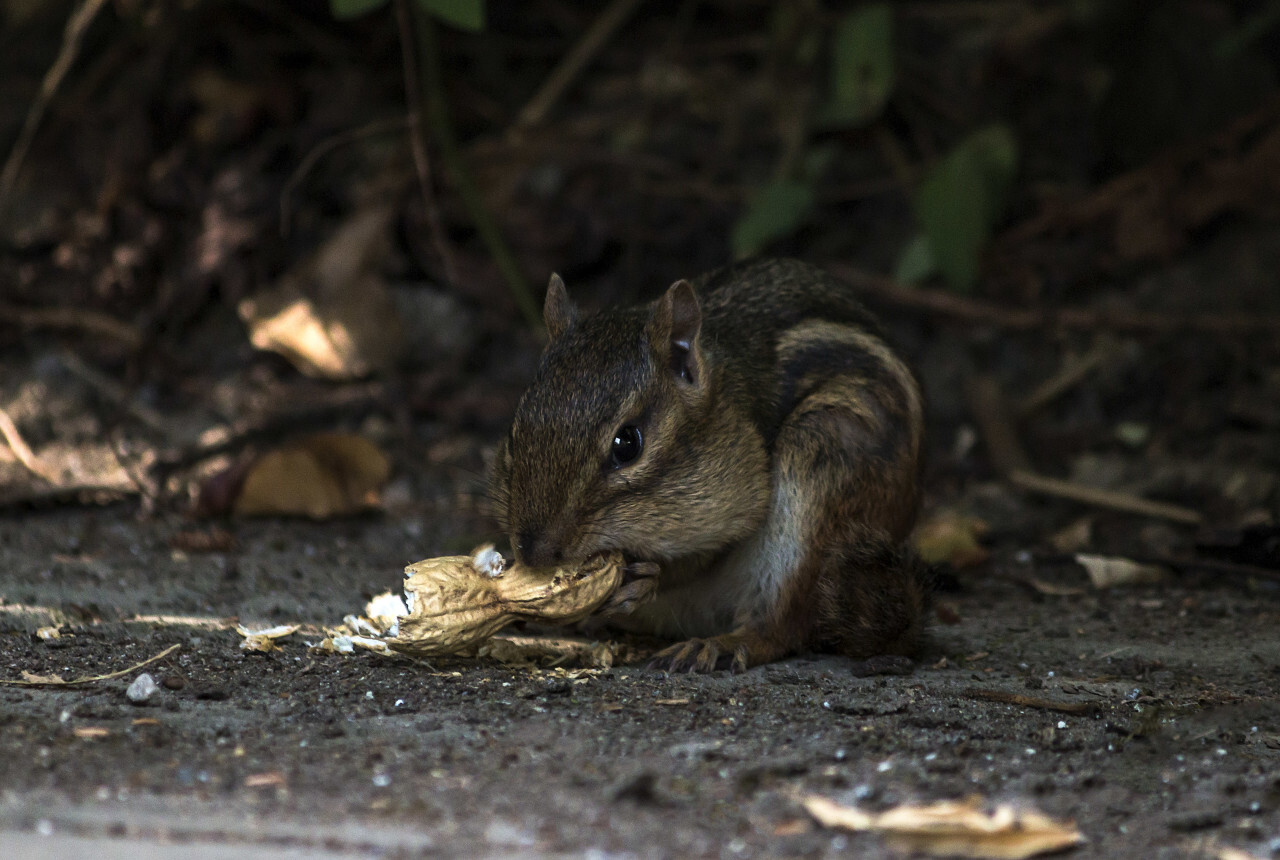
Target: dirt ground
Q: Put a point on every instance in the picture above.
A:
(1121, 340)
(1149, 715)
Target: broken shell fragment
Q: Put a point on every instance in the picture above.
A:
(453, 605)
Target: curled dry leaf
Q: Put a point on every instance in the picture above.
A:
(331, 316)
(453, 606)
(1108, 572)
(952, 538)
(264, 639)
(955, 829)
(322, 476)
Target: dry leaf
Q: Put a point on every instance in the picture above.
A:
(950, 828)
(322, 476)
(1109, 572)
(265, 638)
(1054, 589)
(1074, 537)
(270, 778)
(952, 538)
(1236, 854)
(330, 316)
(33, 678)
(791, 827)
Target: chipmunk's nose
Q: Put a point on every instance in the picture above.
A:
(536, 549)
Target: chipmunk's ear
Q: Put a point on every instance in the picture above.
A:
(674, 328)
(558, 311)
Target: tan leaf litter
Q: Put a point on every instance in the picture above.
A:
(320, 476)
(954, 828)
(953, 538)
(264, 639)
(1109, 572)
(332, 316)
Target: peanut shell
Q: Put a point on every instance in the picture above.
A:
(453, 606)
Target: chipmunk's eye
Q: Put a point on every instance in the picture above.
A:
(627, 445)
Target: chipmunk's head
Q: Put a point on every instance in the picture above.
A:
(604, 449)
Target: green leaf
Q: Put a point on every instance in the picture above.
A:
(344, 9)
(774, 211)
(916, 262)
(862, 67)
(959, 202)
(463, 14)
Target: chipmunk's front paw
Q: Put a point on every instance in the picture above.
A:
(639, 585)
(728, 651)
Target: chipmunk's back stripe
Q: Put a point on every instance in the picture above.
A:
(814, 351)
(815, 354)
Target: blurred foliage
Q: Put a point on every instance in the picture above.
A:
(862, 66)
(774, 211)
(959, 203)
(788, 126)
(464, 14)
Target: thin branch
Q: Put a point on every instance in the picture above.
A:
(411, 61)
(1071, 374)
(90, 679)
(437, 114)
(323, 148)
(72, 36)
(567, 71)
(1018, 319)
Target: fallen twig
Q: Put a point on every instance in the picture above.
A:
(1019, 319)
(1101, 498)
(72, 318)
(1000, 436)
(72, 36)
(90, 679)
(22, 450)
(1068, 377)
(112, 390)
(1031, 701)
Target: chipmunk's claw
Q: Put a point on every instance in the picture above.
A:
(703, 655)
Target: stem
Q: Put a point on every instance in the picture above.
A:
(437, 114)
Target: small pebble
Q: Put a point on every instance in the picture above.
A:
(142, 689)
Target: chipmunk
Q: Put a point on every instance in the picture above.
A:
(751, 433)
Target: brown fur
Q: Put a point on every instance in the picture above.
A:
(779, 472)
